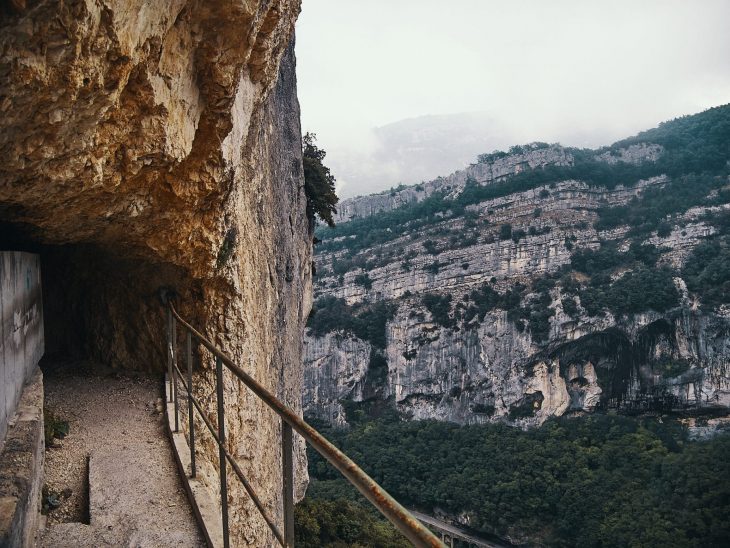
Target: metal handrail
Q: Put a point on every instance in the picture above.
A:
(412, 529)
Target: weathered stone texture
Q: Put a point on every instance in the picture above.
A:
(151, 144)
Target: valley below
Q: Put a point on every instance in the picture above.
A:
(537, 347)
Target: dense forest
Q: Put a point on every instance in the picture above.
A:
(592, 481)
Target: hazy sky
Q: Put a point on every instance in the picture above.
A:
(543, 69)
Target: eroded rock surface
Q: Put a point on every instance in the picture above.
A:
(150, 144)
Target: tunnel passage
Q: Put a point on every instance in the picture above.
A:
(101, 305)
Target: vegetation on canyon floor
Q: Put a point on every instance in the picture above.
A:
(591, 481)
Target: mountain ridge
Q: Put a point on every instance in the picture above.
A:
(507, 286)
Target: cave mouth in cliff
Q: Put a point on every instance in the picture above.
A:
(101, 304)
(612, 354)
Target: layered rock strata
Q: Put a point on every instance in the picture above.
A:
(494, 368)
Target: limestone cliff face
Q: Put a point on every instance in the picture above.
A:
(495, 368)
(150, 144)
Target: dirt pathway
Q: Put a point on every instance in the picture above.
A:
(116, 430)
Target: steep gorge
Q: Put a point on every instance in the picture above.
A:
(150, 145)
(534, 283)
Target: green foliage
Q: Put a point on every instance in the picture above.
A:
(664, 229)
(517, 235)
(505, 231)
(530, 404)
(516, 149)
(376, 229)
(440, 308)
(430, 247)
(365, 321)
(363, 280)
(484, 299)
(538, 313)
(595, 481)
(697, 149)
(695, 143)
(707, 271)
(648, 212)
(53, 427)
(491, 157)
(319, 183)
(608, 257)
(377, 367)
(638, 291)
(342, 523)
(569, 306)
(228, 246)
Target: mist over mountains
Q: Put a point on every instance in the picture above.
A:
(420, 149)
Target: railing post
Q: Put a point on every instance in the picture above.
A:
(174, 373)
(221, 451)
(287, 461)
(191, 426)
(169, 352)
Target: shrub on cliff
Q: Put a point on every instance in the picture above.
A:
(638, 291)
(505, 231)
(707, 271)
(365, 321)
(363, 280)
(319, 183)
(338, 523)
(440, 308)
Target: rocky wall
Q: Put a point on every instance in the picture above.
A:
(154, 145)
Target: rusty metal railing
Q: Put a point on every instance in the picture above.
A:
(412, 529)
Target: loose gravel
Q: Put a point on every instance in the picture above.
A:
(109, 414)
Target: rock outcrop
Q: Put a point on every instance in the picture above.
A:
(150, 144)
(495, 367)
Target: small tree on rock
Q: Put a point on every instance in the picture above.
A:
(319, 183)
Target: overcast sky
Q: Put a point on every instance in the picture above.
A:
(545, 70)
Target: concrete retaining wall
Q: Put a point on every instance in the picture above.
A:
(21, 469)
(21, 328)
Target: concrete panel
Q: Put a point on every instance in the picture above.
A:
(21, 469)
(4, 378)
(21, 327)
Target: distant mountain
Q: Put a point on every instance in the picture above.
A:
(416, 149)
(419, 149)
(537, 282)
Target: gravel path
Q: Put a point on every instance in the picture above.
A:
(117, 419)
